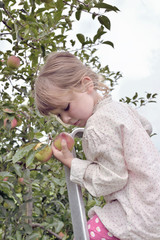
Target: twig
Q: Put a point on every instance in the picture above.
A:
(34, 225)
(84, 10)
(6, 24)
(1, 34)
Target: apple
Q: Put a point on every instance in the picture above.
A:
(18, 189)
(67, 137)
(61, 234)
(5, 179)
(14, 122)
(13, 62)
(21, 180)
(44, 153)
(5, 205)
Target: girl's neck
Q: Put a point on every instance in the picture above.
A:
(98, 98)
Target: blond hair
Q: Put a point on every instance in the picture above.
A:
(61, 74)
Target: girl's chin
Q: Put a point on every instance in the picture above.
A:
(79, 124)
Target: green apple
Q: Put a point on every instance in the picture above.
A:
(67, 137)
(44, 153)
(13, 62)
(18, 189)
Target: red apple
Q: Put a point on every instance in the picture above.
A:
(5, 179)
(21, 180)
(44, 154)
(67, 137)
(13, 62)
(61, 234)
(13, 122)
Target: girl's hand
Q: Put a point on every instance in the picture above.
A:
(64, 156)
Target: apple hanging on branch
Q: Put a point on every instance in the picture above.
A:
(13, 62)
(13, 122)
(21, 180)
(16, 121)
(44, 152)
(67, 137)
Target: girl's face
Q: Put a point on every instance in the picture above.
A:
(79, 109)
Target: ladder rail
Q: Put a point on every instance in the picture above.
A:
(78, 215)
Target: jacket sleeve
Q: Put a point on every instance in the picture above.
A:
(104, 171)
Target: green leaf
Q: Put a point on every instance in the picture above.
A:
(23, 151)
(81, 38)
(148, 95)
(0, 16)
(17, 169)
(1, 123)
(5, 174)
(22, 16)
(78, 14)
(57, 16)
(40, 10)
(38, 135)
(34, 236)
(10, 203)
(59, 4)
(18, 235)
(58, 225)
(135, 96)
(107, 7)
(30, 158)
(1, 4)
(109, 43)
(100, 32)
(105, 21)
(154, 95)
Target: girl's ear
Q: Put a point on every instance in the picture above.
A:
(87, 84)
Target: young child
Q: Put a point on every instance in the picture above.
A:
(122, 163)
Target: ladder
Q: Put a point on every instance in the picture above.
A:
(78, 216)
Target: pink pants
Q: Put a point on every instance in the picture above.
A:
(97, 230)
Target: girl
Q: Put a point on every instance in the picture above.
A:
(122, 163)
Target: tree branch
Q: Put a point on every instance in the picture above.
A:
(1, 34)
(34, 225)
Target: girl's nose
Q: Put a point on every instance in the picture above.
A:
(65, 117)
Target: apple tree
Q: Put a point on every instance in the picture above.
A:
(33, 194)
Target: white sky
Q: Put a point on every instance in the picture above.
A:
(136, 35)
(135, 32)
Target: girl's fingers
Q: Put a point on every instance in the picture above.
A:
(64, 146)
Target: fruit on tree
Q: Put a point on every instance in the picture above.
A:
(67, 137)
(18, 189)
(44, 153)
(14, 122)
(13, 62)
(21, 180)
(5, 179)
(6, 205)
(61, 234)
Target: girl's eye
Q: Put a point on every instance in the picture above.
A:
(67, 108)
